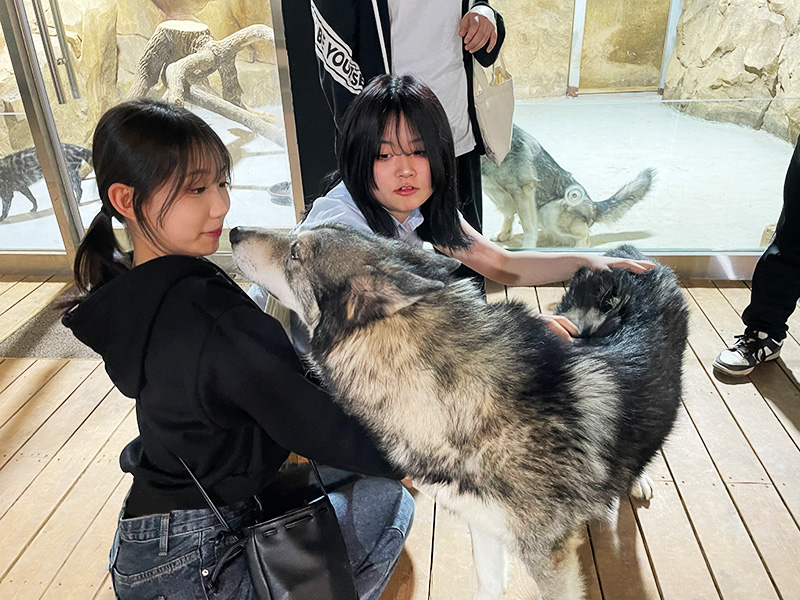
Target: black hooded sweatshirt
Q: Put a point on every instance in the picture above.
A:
(216, 382)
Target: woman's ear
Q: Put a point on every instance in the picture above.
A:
(121, 198)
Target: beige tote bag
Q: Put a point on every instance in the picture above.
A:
(494, 105)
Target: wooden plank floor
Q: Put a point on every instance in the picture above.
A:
(723, 523)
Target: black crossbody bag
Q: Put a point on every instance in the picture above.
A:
(299, 555)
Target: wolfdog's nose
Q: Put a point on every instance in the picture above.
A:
(236, 235)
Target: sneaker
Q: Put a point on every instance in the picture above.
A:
(751, 348)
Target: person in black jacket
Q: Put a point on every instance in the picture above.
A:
(356, 40)
(775, 290)
(216, 381)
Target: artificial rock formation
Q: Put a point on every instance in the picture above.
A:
(186, 54)
(537, 46)
(107, 38)
(743, 50)
(623, 42)
(137, 20)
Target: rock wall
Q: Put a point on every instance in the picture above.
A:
(738, 49)
(537, 46)
(623, 42)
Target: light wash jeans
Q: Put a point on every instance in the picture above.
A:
(172, 556)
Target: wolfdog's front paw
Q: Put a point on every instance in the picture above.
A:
(501, 236)
(642, 488)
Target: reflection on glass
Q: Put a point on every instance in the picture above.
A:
(27, 221)
(218, 59)
(716, 185)
(700, 167)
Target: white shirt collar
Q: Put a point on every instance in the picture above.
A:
(405, 229)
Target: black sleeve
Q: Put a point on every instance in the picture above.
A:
(249, 361)
(485, 58)
(348, 48)
(340, 75)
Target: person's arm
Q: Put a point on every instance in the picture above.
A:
(483, 31)
(528, 267)
(250, 365)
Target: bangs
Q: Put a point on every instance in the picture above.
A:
(392, 129)
(152, 145)
(375, 116)
(194, 161)
(203, 160)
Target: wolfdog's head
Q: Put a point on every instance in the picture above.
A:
(339, 271)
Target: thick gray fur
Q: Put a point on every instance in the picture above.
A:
(525, 435)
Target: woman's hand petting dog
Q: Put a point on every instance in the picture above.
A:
(603, 263)
(561, 326)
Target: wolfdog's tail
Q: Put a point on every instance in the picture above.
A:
(625, 197)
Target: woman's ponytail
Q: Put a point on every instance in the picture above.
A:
(99, 258)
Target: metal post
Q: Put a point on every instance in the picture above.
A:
(48, 50)
(288, 108)
(58, 23)
(28, 73)
(576, 48)
(675, 7)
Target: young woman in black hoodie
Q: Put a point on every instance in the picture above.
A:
(215, 380)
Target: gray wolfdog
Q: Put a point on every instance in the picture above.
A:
(529, 183)
(525, 435)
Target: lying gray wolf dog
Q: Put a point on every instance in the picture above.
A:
(525, 435)
(529, 183)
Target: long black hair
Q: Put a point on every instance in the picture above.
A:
(145, 144)
(380, 104)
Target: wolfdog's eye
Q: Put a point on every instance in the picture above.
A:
(293, 254)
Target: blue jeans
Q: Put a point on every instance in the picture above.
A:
(172, 556)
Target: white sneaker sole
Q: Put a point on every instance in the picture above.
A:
(742, 372)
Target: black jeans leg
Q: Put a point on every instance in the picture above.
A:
(470, 195)
(470, 191)
(776, 279)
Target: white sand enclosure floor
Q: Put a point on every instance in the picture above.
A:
(717, 185)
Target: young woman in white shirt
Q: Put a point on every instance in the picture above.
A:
(397, 177)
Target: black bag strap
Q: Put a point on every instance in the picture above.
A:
(214, 506)
(206, 496)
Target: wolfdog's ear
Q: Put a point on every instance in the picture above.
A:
(384, 291)
(443, 263)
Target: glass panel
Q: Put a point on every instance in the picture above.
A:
(717, 186)
(104, 43)
(21, 182)
(719, 140)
